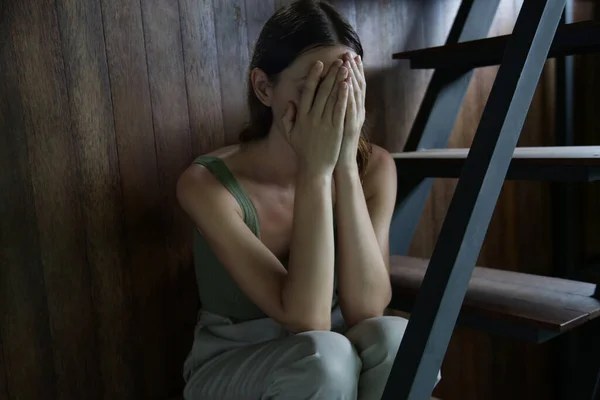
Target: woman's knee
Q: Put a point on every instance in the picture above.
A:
(327, 360)
(385, 333)
(333, 353)
(378, 340)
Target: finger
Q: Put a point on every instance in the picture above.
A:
(359, 63)
(335, 74)
(354, 79)
(356, 71)
(335, 92)
(287, 119)
(351, 107)
(339, 111)
(308, 93)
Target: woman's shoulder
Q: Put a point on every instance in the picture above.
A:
(381, 170)
(199, 183)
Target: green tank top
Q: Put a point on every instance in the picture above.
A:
(219, 294)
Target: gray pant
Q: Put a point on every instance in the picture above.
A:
(311, 365)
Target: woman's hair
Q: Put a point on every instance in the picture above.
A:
(291, 31)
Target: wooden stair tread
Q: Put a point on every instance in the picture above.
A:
(570, 163)
(575, 38)
(588, 155)
(543, 303)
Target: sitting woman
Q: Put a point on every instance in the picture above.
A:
(291, 246)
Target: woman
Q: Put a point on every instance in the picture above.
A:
(291, 246)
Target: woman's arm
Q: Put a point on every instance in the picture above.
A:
(299, 299)
(363, 220)
(363, 216)
(308, 289)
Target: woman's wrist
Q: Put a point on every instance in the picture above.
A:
(314, 176)
(346, 167)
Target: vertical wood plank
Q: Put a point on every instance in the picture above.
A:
(53, 169)
(232, 50)
(202, 75)
(24, 323)
(173, 151)
(588, 130)
(257, 13)
(145, 225)
(368, 26)
(101, 197)
(3, 384)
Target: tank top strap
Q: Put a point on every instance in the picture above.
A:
(220, 171)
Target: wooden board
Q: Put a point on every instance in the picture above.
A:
(550, 155)
(571, 164)
(202, 75)
(545, 303)
(24, 326)
(166, 73)
(257, 13)
(57, 209)
(232, 38)
(575, 38)
(3, 383)
(144, 222)
(87, 83)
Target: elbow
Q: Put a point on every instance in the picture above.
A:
(356, 313)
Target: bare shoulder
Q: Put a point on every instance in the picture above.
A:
(380, 173)
(198, 188)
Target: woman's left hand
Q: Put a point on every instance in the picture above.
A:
(355, 112)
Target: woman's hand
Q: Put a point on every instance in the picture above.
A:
(355, 112)
(315, 130)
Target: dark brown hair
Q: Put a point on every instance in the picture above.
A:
(291, 31)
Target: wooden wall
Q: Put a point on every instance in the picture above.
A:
(104, 102)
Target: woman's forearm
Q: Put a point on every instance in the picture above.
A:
(308, 289)
(363, 278)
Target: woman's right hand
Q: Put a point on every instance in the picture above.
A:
(315, 129)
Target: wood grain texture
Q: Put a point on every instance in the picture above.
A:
(144, 221)
(587, 128)
(24, 323)
(104, 102)
(101, 196)
(540, 302)
(202, 75)
(170, 113)
(55, 180)
(257, 13)
(232, 51)
(3, 369)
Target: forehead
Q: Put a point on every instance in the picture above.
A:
(302, 65)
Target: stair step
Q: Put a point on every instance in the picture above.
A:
(540, 306)
(576, 38)
(568, 163)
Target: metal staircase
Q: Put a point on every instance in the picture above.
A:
(493, 157)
